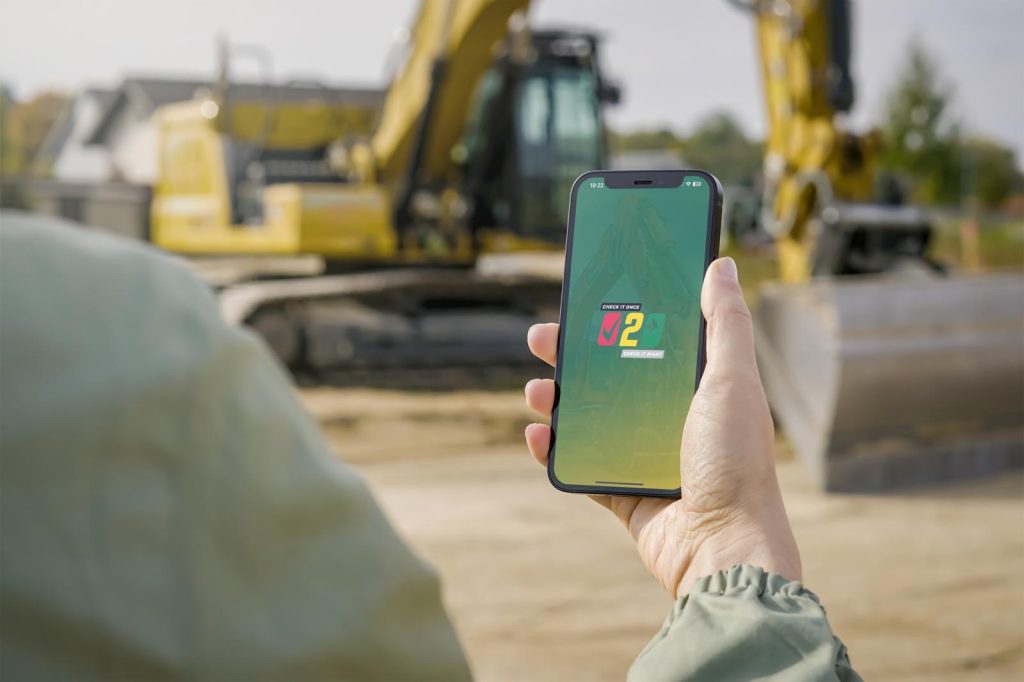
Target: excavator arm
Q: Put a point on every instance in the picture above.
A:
(471, 69)
(427, 103)
(819, 178)
(794, 40)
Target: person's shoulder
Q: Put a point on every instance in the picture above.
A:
(29, 236)
(43, 258)
(87, 301)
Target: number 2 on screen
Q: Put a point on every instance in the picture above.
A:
(633, 323)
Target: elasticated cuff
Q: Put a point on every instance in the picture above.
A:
(742, 577)
(744, 623)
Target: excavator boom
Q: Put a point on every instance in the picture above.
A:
(452, 46)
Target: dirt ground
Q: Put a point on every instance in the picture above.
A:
(921, 585)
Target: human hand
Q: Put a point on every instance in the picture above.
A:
(731, 509)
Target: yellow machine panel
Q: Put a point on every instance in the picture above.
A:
(311, 216)
(297, 125)
(190, 196)
(192, 203)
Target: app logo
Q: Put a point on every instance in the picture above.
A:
(637, 333)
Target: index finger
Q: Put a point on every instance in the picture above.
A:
(543, 341)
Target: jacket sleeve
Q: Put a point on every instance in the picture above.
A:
(169, 510)
(745, 624)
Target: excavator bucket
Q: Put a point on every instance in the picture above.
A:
(881, 382)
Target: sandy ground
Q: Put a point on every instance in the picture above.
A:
(921, 585)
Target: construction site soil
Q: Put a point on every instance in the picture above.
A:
(925, 584)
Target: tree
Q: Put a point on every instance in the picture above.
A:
(26, 125)
(6, 105)
(718, 144)
(991, 171)
(11, 194)
(642, 140)
(921, 134)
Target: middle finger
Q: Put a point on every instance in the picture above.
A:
(540, 396)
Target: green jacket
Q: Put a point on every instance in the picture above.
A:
(168, 509)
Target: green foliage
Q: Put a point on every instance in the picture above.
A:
(924, 145)
(11, 194)
(921, 134)
(717, 144)
(1000, 242)
(25, 127)
(6, 105)
(991, 172)
(641, 140)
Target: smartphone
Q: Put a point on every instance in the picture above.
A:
(631, 339)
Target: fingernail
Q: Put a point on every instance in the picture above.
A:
(727, 269)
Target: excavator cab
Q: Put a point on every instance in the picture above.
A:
(535, 125)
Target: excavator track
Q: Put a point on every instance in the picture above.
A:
(407, 328)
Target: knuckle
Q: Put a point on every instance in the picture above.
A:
(736, 311)
(732, 378)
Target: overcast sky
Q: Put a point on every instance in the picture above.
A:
(677, 60)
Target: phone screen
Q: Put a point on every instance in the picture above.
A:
(631, 342)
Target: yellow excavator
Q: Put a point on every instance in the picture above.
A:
(483, 129)
(882, 368)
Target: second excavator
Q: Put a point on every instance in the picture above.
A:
(883, 368)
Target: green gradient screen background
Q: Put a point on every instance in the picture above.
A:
(620, 419)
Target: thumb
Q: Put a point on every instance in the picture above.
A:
(730, 334)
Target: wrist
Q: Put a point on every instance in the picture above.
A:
(771, 547)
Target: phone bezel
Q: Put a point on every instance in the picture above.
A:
(626, 179)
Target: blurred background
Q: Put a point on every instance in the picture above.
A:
(380, 191)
